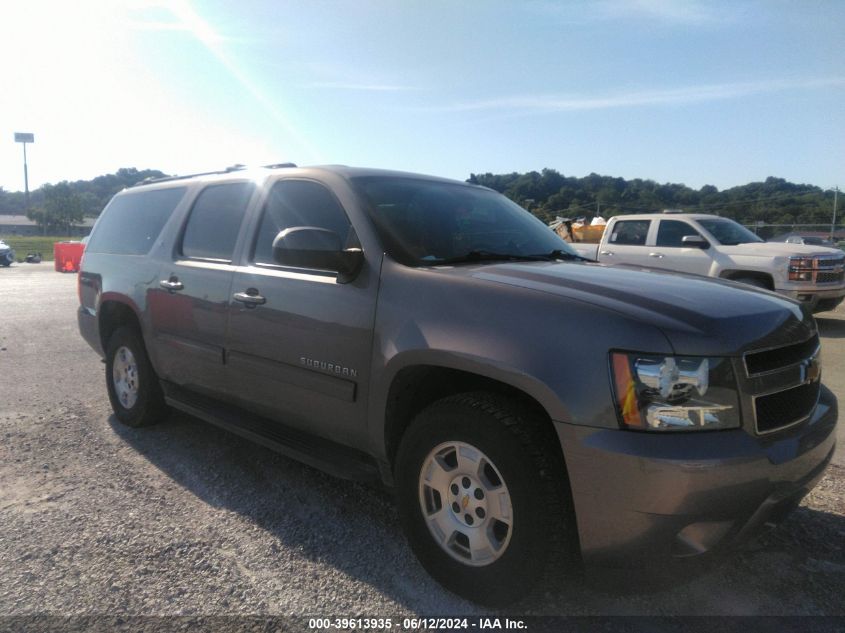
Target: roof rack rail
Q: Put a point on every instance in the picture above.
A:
(228, 170)
(151, 179)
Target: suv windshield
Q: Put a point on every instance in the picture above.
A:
(426, 222)
(727, 232)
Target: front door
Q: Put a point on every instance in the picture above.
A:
(673, 254)
(299, 350)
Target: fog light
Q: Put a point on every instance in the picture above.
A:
(665, 416)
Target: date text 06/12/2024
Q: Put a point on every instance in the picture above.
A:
(415, 624)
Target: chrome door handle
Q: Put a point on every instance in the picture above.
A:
(657, 255)
(171, 285)
(608, 253)
(250, 298)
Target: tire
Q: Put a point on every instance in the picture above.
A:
(753, 281)
(507, 454)
(134, 390)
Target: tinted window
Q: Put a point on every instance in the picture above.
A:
(672, 232)
(631, 232)
(422, 222)
(132, 221)
(298, 203)
(215, 220)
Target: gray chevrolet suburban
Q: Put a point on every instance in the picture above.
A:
(532, 411)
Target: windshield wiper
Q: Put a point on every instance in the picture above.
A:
(569, 257)
(489, 256)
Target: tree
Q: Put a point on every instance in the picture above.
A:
(62, 209)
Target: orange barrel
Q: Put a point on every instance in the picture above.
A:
(67, 255)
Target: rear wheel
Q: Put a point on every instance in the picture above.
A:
(483, 497)
(134, 390)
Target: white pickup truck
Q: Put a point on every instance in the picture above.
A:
(718, 247)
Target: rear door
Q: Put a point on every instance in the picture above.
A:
(188, 308)
(302, 355)
(626, 243)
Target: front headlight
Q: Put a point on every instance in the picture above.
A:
(674, 393)
(802, 268)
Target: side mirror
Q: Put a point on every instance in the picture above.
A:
(695, 241)
(313, 247)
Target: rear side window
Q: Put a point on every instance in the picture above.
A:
(298, 203)
(630, 232)
(131, 222)
(212, 229)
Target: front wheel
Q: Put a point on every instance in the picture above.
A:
(483, 497)
(134, 390)
(753, 281)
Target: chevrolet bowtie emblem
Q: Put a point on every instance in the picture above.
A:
(810, 369)
(465, 502)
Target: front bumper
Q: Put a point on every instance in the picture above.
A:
(642, 496)
(818, 299)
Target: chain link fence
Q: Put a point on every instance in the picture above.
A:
(769, 231)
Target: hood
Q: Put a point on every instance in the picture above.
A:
(781, 249)
(699, 315)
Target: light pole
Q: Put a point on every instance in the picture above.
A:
(25, 137)
(835, 191)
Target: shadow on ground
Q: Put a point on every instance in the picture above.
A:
(798, 569)
(831, 328)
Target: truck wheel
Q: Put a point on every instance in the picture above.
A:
(483, 499)
(134, 390)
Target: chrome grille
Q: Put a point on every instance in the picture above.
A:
(826, 278)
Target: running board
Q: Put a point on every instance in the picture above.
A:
(335, 459)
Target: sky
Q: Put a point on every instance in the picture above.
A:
(719, 93)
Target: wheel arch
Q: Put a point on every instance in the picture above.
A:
(114, 313)
(414, 387)
(734, 275)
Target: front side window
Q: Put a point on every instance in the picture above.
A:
(215, 220)
(630, 232)
(293, 203)
(672, 232)
(132, 221)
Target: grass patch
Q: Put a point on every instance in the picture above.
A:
(24, 244)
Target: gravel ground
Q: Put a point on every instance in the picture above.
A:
(184, 519)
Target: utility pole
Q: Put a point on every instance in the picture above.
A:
(833, 222)
(25, 137)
